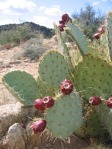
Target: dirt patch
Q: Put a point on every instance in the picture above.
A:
(9, 63)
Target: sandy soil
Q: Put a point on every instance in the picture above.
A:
(9, 62)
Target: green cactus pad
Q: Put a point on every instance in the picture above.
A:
(22, 85)
(93, 126)
(79, 38)
(109, 30)
(93, 76)
(44, 89)
(53, 68)
(61, 41)
(65, 117)
(105, 114)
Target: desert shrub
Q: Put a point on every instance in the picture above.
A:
(89, 20)
(7, 37)
(20, 34)
(34, 48)
(25, 32)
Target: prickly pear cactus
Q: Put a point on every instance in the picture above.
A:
(103, 47)
(65, 117)
(22, 85)
(109, 30)
(106, 117)
(94, 127)
(53, 68)
(93, 76)
(44, 89)
(74, 32)
(61, 41)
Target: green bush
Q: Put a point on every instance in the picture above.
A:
(20, 34)
(25, 32)
(89, 20)
(34, 48)
(9, 37)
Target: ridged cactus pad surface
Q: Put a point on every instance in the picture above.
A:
(93, 76)
(109, 30)
(22, 85)
(79, 38)
(94, 127)
(66, 116)
(105, 115)
(44, 89)
(53, 68)
(61, 41)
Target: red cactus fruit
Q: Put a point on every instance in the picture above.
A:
(39, 104)
(95, 100)
(49, 101)
(66, 87)
(39, 126)
(109, 102)
(61, 27)
(97, 35)
(66, 18)
(101, 30)
(61, 22)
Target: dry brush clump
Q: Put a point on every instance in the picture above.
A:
(17, 36)
(34, 48)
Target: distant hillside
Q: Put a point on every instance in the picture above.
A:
(34, 27)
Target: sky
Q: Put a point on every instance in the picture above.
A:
(45, 12)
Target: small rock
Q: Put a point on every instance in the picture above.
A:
(15, 138)
(12, 113)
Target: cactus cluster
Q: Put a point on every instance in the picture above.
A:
(63, 113)
(90, 79)
(92, 76)
(51, 93)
